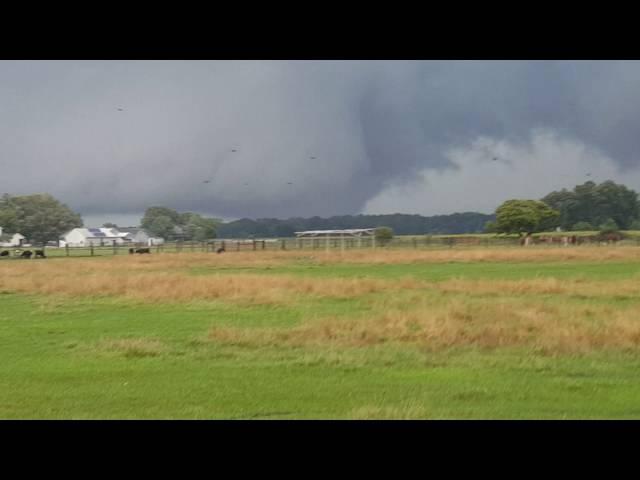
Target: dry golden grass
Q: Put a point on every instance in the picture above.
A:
(494, 254)
(573, 287)
(162, 286)
(453, 322)
(543, 313)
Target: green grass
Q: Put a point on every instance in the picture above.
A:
(50, 371)
(55, 365)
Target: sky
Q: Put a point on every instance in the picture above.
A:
(234, 139)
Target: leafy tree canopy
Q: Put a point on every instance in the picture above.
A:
(40, 218)
(609, 226)
(525, 216)
(582, 227)
(166, 223)
(595, 204)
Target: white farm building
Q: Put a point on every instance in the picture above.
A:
(11, 239)
(84, 237)
(140, 236)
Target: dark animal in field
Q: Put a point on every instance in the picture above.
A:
(220, 250)
(143, 250)
(4, 253)
(40, 254)
(131, 251)
(26, 254)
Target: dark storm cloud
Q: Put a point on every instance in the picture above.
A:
(121, 136)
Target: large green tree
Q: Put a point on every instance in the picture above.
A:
(525, 216)
(40, 218)
(595, 204)
(164, 222)
(199, 228)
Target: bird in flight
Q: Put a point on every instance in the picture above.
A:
(495, 159)
(289, 183)
(588, 174)
(120, 110)
(313, 158)
(207, 181)
(234, 150)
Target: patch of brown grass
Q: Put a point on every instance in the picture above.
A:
(574, 287)
(455, 322)
(180, 287)
(492, 254)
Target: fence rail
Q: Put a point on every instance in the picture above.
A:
(286, 244)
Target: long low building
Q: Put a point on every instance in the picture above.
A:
(85, 237)
(350, 232)
(140, 236)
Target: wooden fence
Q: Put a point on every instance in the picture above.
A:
(332, 244)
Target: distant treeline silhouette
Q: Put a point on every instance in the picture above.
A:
(402, 224)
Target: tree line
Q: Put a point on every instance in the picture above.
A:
(606, 207)
(401, 224)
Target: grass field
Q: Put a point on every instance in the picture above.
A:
(471, 333)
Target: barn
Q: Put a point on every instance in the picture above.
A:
(140, 236)
(84, 237)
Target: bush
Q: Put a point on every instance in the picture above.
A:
(610, 226)
(635, 225)
(490, 227)
(582, 227)
(383, 235)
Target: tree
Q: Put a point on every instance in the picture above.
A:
(582, 227)
(383, 235)
(609, 226)
(595, 204)
(525, 217)
(109, 225)
(170, 224)
(199, 228)
(490, 227)
(40, 218)
(160, 226)
(635, 225)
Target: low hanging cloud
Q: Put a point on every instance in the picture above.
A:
(525, 170)
(312, 138)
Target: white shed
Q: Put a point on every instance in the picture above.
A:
(84, 237)
(11, 239)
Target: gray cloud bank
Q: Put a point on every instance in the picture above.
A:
(373, 128)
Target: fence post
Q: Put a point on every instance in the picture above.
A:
(115, 251)
(254, 245)
(91, 248)
(66, 248)
(238, 245)
(282, 244)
